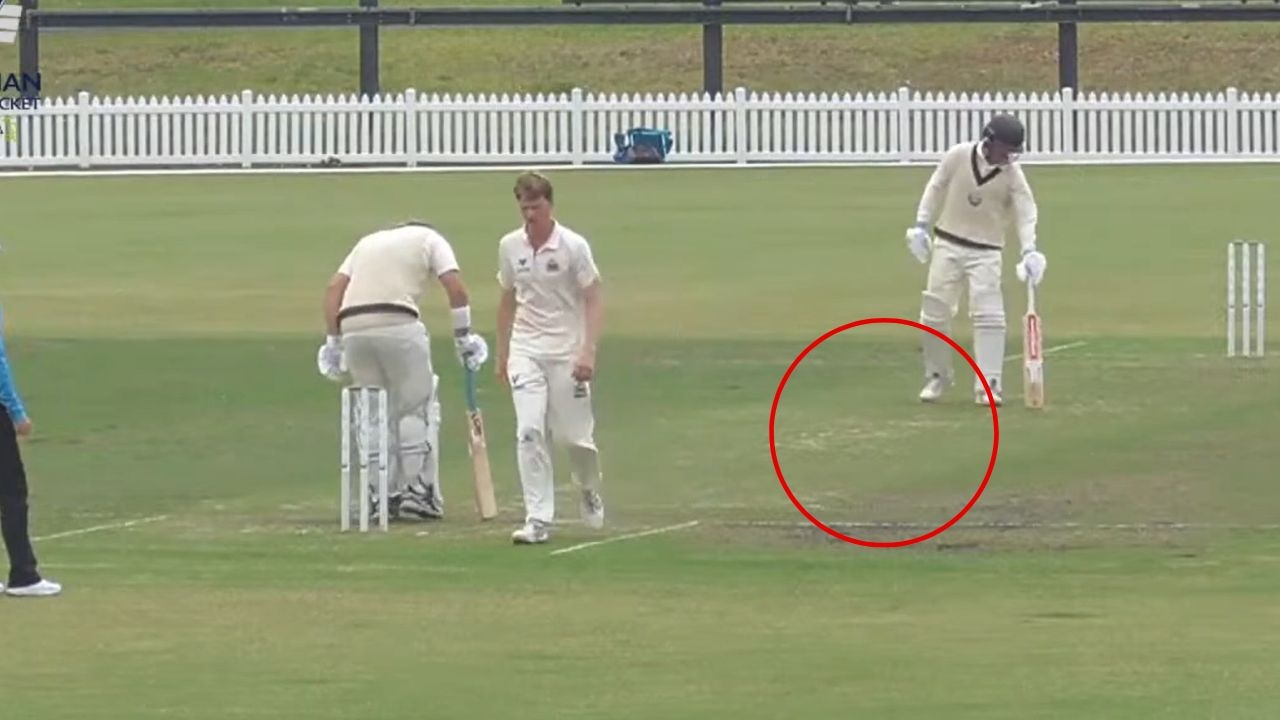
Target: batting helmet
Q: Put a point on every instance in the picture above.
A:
(1006, 130)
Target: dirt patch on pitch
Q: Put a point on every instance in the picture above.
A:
(960, 539)
(1007, 523)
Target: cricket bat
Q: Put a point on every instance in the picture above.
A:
(1032, 353)
(486, 503)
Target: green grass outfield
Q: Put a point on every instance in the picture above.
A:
(163, 330)
(989, 57)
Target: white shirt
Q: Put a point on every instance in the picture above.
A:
(978, 199)
(550, 319)
(395, 266)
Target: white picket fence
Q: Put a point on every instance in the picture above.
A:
(411, 129)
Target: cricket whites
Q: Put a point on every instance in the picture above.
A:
(486, 503)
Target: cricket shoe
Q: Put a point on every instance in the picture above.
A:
(592, 508)
(533, 532)
(933, 389)
(423, 507)
(43, 588)
(393, 506)
(980, 395)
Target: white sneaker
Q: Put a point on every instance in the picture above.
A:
(933, 389)
(592, 508)
(44, 588)
(533, 532)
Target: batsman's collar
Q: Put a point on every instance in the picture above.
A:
(984, 166)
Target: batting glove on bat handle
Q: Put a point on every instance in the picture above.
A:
(473, 351)
(1032, 266)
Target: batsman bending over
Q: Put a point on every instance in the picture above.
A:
(550, 315)
(980, 190)
(375, 333)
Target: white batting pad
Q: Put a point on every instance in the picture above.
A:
(417, 465)
(987, 312)
(988, 352)
(938, 355)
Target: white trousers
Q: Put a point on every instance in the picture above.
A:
(951, 267)
(398, 358)
(552, 411)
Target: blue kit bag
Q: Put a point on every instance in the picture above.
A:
(642, 145)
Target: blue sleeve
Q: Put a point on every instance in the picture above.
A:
(8, 393)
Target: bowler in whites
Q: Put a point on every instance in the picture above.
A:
(550, 316)
(975, 192)
(375, 336)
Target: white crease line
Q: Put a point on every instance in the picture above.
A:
(100, 528)
(1054, 349)
(628, 536)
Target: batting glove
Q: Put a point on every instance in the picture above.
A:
(472, 350)
(1031, 267)
(918, 242)
(329, 358)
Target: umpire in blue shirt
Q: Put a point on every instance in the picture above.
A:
(24, 578)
